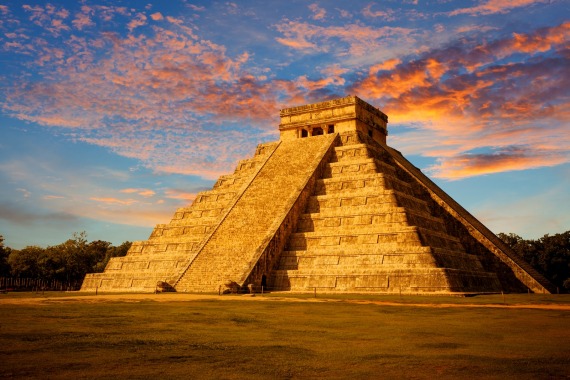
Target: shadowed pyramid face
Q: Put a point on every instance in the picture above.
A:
(349, 114)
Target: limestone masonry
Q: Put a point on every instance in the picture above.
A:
(329, 207)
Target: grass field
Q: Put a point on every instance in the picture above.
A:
(237, 337)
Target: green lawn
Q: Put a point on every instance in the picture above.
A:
(246, 339)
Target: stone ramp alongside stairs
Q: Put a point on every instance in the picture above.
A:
(252, 233)
(515, 274)
(165, 255)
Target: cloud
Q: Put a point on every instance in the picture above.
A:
(142, 192)
(318, 12)
(469, 96)
(139, 20)
(387, 14)
(156, 16)
(25, 193)
(156, 89)
(350, 40)
(506, 159)
(111, 200)
(179, 194)
(196, 7)
(50, 197)
(496, 6)
(18, 215)
(83, 19)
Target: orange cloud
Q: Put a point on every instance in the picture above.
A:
(179, 194)
(156, 16)
(463, 166)
(463, 99)
(142, 192)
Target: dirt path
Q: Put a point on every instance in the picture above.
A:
(177, 297)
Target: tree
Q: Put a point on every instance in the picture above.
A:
(550, 255)
(112, 251)
(4, 253)
(28, 262)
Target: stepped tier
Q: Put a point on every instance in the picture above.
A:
(330, 207)
(364, 230)
(170, 247)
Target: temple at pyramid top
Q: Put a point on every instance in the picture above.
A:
(329, 208)
(348, 114)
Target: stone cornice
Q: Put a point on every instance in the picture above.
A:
(348, 100)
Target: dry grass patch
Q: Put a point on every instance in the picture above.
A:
(238, 338)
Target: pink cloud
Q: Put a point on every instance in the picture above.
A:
(113, 101)
(387, 14)
(196, 7)
(496, 6)
(357, 40)
(318, 12)
(81, 21)
(139, 20)
(111, 200)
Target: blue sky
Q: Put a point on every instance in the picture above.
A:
(115, 113)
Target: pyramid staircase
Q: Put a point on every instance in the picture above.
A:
(329, 207)
(249, 239)
(170, 247)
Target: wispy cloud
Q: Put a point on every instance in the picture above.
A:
(385, 14)
(14, 214)
(142, 192)
(351, 40)
(156, 89)
(496, 6)
(470, 96)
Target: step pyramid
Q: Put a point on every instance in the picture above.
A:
(328, 207)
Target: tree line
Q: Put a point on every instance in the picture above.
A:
(65, 263)
(549, 255)
(68, 262)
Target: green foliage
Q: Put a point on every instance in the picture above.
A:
(4, 253)
(67, 262)
(550, 255)
(112, 251)
(30, 262)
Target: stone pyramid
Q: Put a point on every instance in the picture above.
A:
(328, 208)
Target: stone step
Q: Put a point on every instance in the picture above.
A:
(357, 182)
(366, 198)
(361, 216)
(307, 240)
(350, 259)
(409, 280)
(195, 213)
(255, 218)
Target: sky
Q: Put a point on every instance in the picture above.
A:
(113, 114)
